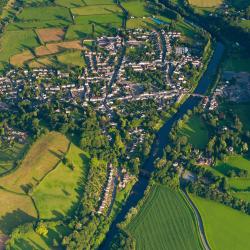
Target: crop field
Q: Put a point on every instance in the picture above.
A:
(164, 222)
(205, 3)
(196, 132)
(50, 34)
(19, 59)
(74, 58)
(15, 210)
(58, 194)
(41, 62)
(225, 227)
(41, 158)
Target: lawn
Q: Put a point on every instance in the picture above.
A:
(205, 3)
(74, 58)
(135, 8)
(225, 227)
(43, 156)
(196, 132)
(58, 194)
(30, 240)
(164, 222)
(14, 211)
(243, 195)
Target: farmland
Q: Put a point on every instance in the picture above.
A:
(71, 58)
(164, 222)
(225, 227)
(33, 169)
(196, 132)
(205, 3)
(58, 194)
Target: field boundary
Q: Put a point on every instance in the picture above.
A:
(197, 218)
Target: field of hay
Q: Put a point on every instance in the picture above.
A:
(19, 59)
(41, 158)
(205, 3)
(50, 34)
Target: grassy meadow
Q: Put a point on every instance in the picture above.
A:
(205, 3)
(43, 156)
(58, 194)
(225, 227)
(74, 58)
(196, 132)
(164, 222)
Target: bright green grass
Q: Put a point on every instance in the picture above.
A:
(135, 8)
(13, 42)
(233, 162)
(99, 19)
(140, 23)
(243, 195)
(30, 240)
(58, 194)
(94, 2)
(196, 132)
(225, 227)
(8, 155)
(38, 24)
(96, 10)
(74, 58)
(164, 222)
(71, 3)
(45, 13)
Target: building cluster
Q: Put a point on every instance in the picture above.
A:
(10, 135)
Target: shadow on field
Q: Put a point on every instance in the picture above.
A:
(11, 220)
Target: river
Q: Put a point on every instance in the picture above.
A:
(161, 141)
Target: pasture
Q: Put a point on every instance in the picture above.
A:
(196, 132)
(9, 155)
(225, 227)
(135, 8)
(59, 192)
(96, 10)
(205, 3)
(164, 222)
(74, 58)
(15, 210)
(43, 156)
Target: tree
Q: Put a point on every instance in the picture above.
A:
(41, 229)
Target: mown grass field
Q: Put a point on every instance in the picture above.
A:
(196, 132)
(225, 227)
(164, 222)
(58, 194)
(205, 3)
(135, 8)
(74, 58)
(15, 210)
(41, 158)
(8, 155)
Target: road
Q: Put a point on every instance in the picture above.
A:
(199, 221)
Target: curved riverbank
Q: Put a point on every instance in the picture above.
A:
(161, 141)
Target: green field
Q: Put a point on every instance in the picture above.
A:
(74, 58)
(9, 155)
(243, 195)
(196, 132)
(135, 8)
(205, 3)
(164, 222)
(15, 210)
(43, 156)
(96, 10)
(225, 227)
(28, 239)
(58, 194)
